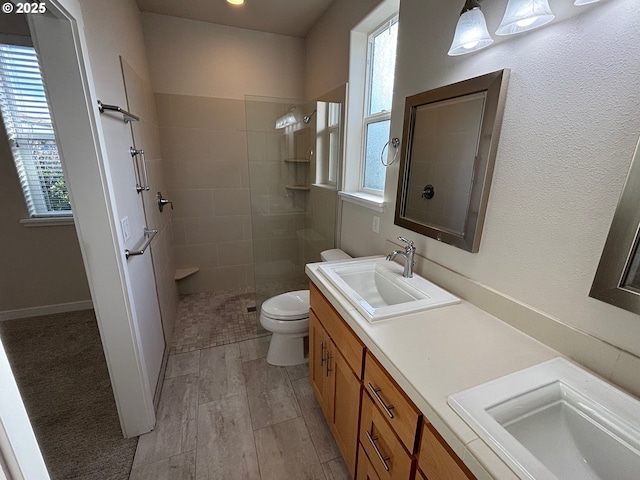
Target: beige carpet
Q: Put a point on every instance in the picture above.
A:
(62, 375)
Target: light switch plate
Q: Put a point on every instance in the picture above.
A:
(126, 228)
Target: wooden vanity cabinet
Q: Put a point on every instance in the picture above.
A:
(437, 460)
(335, 371)
(382, 430)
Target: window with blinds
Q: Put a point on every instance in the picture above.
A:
(27, 120)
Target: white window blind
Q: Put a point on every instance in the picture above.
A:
(27, 120)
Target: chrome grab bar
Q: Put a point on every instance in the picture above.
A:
(142, 178)
(149, 233)
(126, 116)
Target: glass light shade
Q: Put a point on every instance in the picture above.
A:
(471, 33)
(578, 3)
(235, 2)
(523, 15)
(287, 119)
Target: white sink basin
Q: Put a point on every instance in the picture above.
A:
(556, 421)
(378, 290)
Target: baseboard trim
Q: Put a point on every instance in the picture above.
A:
(45, 310)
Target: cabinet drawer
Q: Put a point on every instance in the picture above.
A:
(348, 343)
(392, 403)
(385, 451)
(437, 460)
(365, 470)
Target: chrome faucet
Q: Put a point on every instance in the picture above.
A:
(407, 255)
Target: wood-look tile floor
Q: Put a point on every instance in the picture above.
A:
(226, 414)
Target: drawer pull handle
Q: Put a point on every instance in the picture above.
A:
(387, 408)
(322, 347)
(382, 458)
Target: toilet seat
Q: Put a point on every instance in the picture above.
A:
(287, 306)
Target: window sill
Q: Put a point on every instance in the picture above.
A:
(367, 200)
(324, 186)
(47, 221)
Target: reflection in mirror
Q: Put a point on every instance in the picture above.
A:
(450, 139)
(617, 279)
(632, 277)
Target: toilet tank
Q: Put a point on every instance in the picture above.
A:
(334, 254)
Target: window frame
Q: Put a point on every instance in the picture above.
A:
(369, 119)
(31, 186)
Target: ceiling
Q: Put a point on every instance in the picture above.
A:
(285, 17)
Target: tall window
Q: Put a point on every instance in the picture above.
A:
(27, 121)
(381, 61)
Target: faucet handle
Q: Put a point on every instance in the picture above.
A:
(408, 242)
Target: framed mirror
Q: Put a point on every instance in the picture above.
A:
(617, 279)
(450, 138)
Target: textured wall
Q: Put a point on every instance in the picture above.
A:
(569, 131)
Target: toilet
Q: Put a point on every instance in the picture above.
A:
(286, 316)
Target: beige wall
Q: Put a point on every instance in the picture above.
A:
(208, 60)
(327, 45)
(41, 266)
(569, 132)
(31, 273)
(201, 73)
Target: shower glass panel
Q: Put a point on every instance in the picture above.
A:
(293, 199)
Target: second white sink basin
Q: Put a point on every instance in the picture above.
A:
(378, 290)
(556, 421)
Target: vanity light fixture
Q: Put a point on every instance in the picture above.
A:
(524, 15)
(287, 119)
(471, 31)
(235, 2)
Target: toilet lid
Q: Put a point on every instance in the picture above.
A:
(288, 306)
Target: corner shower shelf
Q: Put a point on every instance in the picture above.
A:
(303, 188)
(183, 273)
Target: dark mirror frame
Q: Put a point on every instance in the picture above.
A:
(494, 84)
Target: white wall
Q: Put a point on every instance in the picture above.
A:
(208, 60)
(569, 131)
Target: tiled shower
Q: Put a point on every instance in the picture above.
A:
(247, 210)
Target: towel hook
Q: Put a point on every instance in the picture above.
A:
(395, 143)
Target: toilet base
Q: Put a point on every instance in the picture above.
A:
(286, 350)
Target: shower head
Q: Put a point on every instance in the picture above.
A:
(307, 118)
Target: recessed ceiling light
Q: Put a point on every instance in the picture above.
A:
(235, 2)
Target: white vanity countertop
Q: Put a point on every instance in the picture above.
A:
(436, 353)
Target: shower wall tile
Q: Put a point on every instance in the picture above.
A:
(231, 201)
(201, 255)
(180, 144)
(191, 203)
(227, 145)
(179, 233)
(222, 278)
(214, 229)
(206, 112)
(204, 145)
(235, 253)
